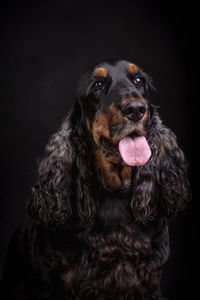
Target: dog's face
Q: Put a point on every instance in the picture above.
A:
(112, 97)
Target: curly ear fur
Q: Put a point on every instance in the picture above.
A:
(62, 195)
(161, 185)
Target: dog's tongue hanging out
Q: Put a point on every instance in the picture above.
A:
(134, 151)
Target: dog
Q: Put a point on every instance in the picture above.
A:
(110, 180)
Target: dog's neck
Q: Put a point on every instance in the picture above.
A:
(116, 174)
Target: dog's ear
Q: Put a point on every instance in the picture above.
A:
(62, 196)
(171, 175)
(161, 185)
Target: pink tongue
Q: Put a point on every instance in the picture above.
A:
(134, 151)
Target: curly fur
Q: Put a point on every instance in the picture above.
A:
(87, 241)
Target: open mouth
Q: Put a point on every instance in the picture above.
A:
(134, 150)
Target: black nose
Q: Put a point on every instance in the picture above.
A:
(134, 110)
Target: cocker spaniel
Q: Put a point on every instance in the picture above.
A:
(111, 178)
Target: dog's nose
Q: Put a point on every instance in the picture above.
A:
(134, 110)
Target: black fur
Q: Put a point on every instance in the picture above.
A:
(84, 239)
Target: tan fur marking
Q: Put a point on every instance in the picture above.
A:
(100, 126)
(126, 175)
(101, 123)
(114, 173)
(100, 72)
(132, 68)
(146, 116)
(110, 172)
(132, 99)
(88, 124)
(115, 114)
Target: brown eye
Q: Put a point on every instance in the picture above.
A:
(98, 85)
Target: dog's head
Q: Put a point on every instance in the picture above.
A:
(113, 100)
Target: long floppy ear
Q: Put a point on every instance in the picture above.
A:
(161, 185)
(62, 196)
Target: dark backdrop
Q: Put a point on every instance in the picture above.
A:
(45, 46)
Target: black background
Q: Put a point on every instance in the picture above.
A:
(46, 45)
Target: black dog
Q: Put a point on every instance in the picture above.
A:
(111, 178)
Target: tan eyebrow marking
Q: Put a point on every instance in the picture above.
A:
(100, 72)
(132, 68)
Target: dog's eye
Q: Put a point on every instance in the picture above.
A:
(98, 85)
(139, 81)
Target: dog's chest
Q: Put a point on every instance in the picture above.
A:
(117, 259)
